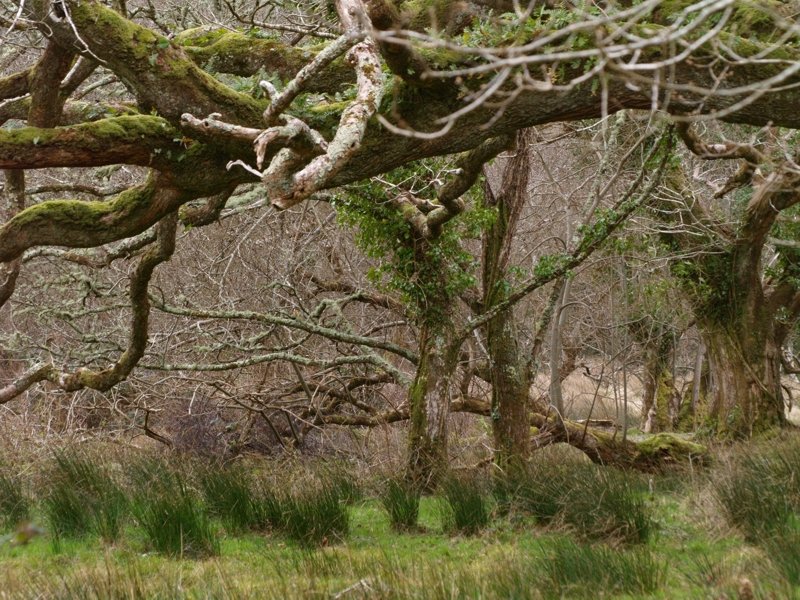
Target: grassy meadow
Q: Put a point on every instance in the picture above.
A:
(97, 523)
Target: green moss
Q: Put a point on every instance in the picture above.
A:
(98, 18)
(669, 445)
(199, 36)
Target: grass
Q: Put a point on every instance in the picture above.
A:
(595, 502)
(171, 513)
(570, 568)
(760, 491)
(82, 497)
(317, 515)
(15, 506)
(400, 499)
(229, 494)
(466, 505)
(305, 537)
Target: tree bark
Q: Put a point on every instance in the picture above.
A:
(746, 395)
(656, 367)
(509, 372)
(429, 407)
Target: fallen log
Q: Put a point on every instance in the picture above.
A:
(653, 453)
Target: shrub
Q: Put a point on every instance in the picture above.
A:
(401, 501)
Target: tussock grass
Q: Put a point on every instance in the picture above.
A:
(595, 502)
(569, 568)
(760, 491)
(170, 512)
(267, 510)
(783, 548)
(229, 494)
(466, 504)
(15, 505)
(83, 498)
(316, 515)
(400, 499)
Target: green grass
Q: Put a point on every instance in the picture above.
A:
(316, 515)
(307, 540)
(82, 498)
(170, 512)
(400, 499)
(594, 502)
(229, 494)
(466, 504)
(760, 491)
(15, 506)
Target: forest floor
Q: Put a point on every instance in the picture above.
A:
(571, 529)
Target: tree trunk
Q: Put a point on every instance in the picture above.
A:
(429, 404)
(746, 395)
(656, 412)
(510, 392)
(509, 368)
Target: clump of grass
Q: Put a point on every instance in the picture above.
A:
(783, 549)
(317, 515)
(761, 490)
(570, 568)
(401, 501)
(466, 506)
(607, 503)
(229, 495)
(15, 506)
(595, 502)
(82, 497)
(344, 481)
(266, 506)
(537, 491)
(171, 513)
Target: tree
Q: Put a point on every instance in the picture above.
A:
(740, 275)
(379, 86)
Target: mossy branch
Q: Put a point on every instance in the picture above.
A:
(78, 224)
(139, 140)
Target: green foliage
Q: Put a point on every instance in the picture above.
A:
(427, 274)
(171, 513)
(787, 266)
(15, 506)
(401, 502)
(709, 282)
(82, 498)
(466, 504)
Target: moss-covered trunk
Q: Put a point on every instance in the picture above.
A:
(510, 392)
(508, 367)
(746, 395)
(429, 407)
(657, 410)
